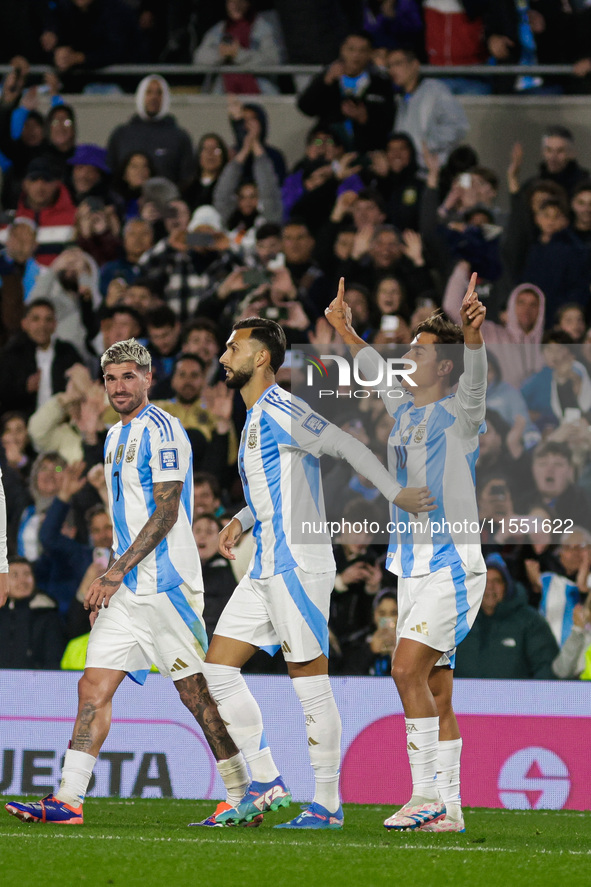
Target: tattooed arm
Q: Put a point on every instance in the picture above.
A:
(167, 497)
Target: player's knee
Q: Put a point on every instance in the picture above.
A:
(404, 674)
(94, 692)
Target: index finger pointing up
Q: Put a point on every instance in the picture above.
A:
(471, 287)
(341, 291)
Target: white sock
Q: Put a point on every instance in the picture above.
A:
(243, 719)
(422, 740)
(448, 776)
(235, 777)
(323, 728)
(76, 773)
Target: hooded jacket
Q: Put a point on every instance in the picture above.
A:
(517, 362)
(515, 642)
(159, 136)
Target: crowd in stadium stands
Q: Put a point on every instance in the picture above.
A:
(155, 237)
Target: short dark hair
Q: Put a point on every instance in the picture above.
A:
(207, 515)
(553, 202)
(91, 513)
(359, 32)
(448, 334)
(206, 477)
(269, 229)
(269, 334)
(557, 336)
(559, 132)
(373, 195)
(199, 323)
(581, 188)
(39, 303)
(161, 316)
(409, 53)
(487, 175)
(109, 311)
(553, 448)
(186, 355)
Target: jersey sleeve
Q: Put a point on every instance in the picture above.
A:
(470, 397)
(373, 366)
(245, 518)
(309, 431)
(170, 453)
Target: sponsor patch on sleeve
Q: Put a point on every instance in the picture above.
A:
(315, 424)
(169, 459)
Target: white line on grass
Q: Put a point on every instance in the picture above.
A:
(396, 845)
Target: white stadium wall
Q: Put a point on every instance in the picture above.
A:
(526, 743)
(495, 123)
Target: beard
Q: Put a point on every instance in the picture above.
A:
(239, 378)
(128, 406)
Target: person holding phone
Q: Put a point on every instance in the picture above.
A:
(372, 653)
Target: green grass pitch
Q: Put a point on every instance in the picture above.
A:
(147, 843)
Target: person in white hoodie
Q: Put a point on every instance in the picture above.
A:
(155, 132)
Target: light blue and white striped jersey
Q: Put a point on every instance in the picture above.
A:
(436, 446)
(281, 443)
(152, 448)
(559, 598)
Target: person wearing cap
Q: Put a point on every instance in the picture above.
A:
(155, 132)
(45, 200)
(191, 261)
(89, 174)
(509, 639)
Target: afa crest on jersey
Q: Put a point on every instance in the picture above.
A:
(130, 455)
(252, 437)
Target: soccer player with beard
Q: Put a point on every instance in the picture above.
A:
(283, 601)
(150, 599)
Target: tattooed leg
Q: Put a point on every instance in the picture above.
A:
(96, 689)
(195, 695)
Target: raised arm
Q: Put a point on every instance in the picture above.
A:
(337, 443)
(167, 496)
(471, 393)
(340, 318)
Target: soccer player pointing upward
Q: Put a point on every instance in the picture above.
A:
(283, 601)
(441, 571)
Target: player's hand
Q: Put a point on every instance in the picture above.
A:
(472, 311)
(101, 591)
(415, 500)
(228, 538)
(3, 588)
(338, 312)
(73, 480)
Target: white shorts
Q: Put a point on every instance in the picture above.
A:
(439, 609)
(135, 631)
(287, 611)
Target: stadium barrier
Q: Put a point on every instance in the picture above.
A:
(526, 743)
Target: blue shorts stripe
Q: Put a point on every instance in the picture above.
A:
(312, 616)
(188, 615)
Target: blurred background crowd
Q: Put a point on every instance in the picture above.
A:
(171, 239)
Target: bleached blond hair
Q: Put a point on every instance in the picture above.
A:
(128, 350)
